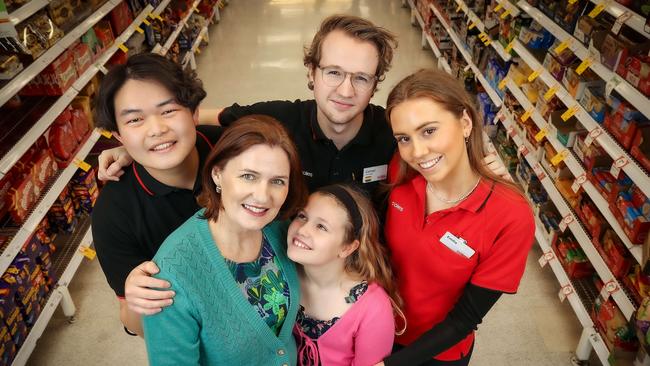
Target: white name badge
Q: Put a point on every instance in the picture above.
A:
(375, 173)
(458, 245)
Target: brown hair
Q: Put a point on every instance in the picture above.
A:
(446, 91)
(357, 28)
(370, 261)
(246, 132)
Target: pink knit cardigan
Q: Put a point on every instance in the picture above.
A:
(362, 336)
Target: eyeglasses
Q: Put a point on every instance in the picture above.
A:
(334, 76)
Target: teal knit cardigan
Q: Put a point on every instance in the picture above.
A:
(211, 322)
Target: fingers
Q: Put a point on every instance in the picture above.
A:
(142, 292)
(149, 268)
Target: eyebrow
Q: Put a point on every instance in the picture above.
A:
(258, 173)
(419, 127)
(135, 110)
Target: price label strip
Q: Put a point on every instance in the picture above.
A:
(598, 9)
(551, 92)
(557, 159)
(618, 165)
(123, 48)
(570, 112)
(139, 30)
(534, 75)
(505, 14)
(523, 150)
(526, 115)
(565, 292)
(566, 221)
(578, 182)
(106, 134)
(82, 165)
(584, 65)
(539, 171)
(620, 21)
(608, 289)
(541, 134)
(88, 252)
(502, 83)
(563, 46)
(498, 7)
(510, 46)
(592, 136)
(146, 22)
(511, 132)
(545, 258)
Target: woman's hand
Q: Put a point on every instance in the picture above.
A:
(111, 162)
(493, 163)
(143, 293)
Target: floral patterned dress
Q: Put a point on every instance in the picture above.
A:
(264, 285)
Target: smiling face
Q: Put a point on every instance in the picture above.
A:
(254, 186)
(317, 235)
(156, 131)
(430, 139)
(340, 105)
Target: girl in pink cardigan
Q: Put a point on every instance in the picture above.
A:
(347, 291)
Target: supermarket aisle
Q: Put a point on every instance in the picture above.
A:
(255, 54)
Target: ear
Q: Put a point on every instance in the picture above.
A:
(195, 116)
(117, 136)
(216, 175)
(466, 123)
(348, 249)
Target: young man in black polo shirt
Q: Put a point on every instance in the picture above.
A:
(150, 105)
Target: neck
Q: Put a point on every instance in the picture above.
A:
(324, 276)
(236, 243)
(340, 133)
(458, 182)
(183, 175)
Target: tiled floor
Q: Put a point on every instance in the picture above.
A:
(255, 54)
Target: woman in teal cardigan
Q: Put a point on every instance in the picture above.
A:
(237, 293)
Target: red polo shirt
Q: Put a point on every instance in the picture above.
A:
(494, 221)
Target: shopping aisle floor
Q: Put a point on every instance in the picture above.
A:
(255, 54)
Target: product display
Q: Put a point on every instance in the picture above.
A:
(573, 131)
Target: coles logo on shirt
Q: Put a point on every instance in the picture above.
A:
(397, 206)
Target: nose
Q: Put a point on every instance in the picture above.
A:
(261, 193)
(156, 126)
(420, 148)
(303, 229)
(346, 89)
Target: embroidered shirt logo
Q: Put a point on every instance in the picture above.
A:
(397, 206)
(307, 174)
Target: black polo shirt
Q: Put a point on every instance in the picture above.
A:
(364, 160)
(133, 217)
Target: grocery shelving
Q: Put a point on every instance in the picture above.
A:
(189, 56)
(65, 266)
(172, 38)
(12, 156)
(608, 143)
(473, 18)
(27, 10)
(576, 169)
(428, 39)
(463, 50)
(636, 22)
(512, 9)
(572, 221)
(627, 91)
(53, 52)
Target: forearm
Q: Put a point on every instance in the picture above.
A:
(463, 318)
(130, 319)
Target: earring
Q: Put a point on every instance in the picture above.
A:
(466, 140)
(218, 188)
(310, 85)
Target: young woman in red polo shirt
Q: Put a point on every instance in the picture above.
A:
(459, 235)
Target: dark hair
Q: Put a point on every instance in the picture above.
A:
(186, 87)
(449, 93)
(357, 28)
(246, 132)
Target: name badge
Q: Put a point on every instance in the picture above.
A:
(458, 245)
(375, 173)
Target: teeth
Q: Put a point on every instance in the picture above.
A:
(430, 163)
(297, 243)
(162, 146)
(255, 209)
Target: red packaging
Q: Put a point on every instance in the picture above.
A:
(5, 187)
(82, 56)
(640, 149)
(22, 199)
(640, 202)
(63, 142)
(591, 217)
(633, 223)
(636, 70)
(623, 130)
(104, 35)
(44, 167)
(80, 124)
(614, 253)
(121, 17)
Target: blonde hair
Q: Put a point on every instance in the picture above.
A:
(371, 260)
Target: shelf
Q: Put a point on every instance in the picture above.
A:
(27, 10)
(514, 10)
(195, 46)
(461, 47)
(479, 24)
(619, 296)
(416, 14)
(636, 22)
(159, 9)
(25, 76)
(576, 169)
(12, 156)
(48, 197)
(606, 141)
(625, 89)
(68, 263)
(179, 28)
(442, 60)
